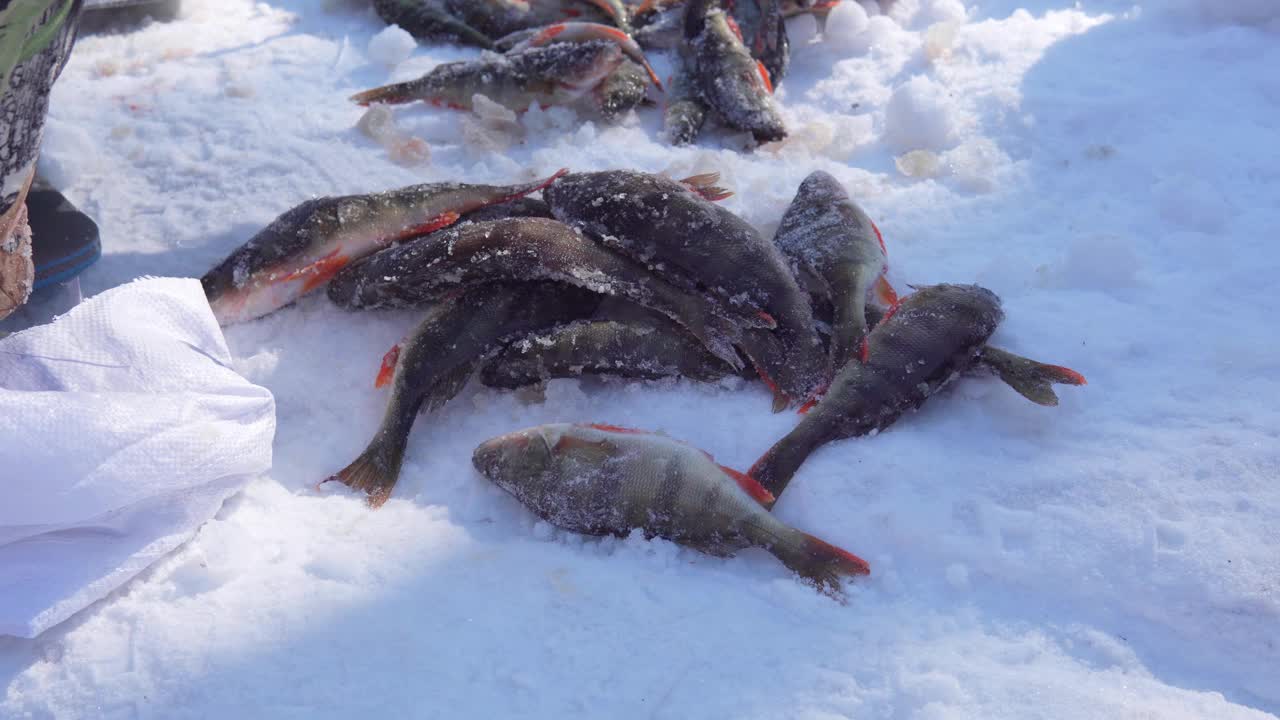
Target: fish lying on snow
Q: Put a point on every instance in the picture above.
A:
(531, 249)
(685, 113)
(642, 345)
(553, 75)
(648, 346)
(426, 20)
(836, 250)
(668, 226)
(578, 32)
(933, 335)
(601, 480)
(764, 33)
(303, 248)
(732, 82)
(431, 365)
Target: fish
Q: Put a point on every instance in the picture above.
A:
(645, 345)
(545, 76)
(700, 245)
(524, 206)
(427, 21)
(835, 248)
(664, 31)
(686, 112)
(606, 480)
(432, 365)
(764, 33)
(624, 89)
(1032, 379)
(578, 32)
(530, 249)
(932, 336)
(302, 249)
(732, 82)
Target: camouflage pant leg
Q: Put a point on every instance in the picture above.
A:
(35, 38)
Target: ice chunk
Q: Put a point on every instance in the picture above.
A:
(847, 21)
(921, 115)
(918, 164)
(378, 123)
(392, 46)
(974, 164)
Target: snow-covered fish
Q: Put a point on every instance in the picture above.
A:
(430, 366)
(646, 346)
(602, 480)
(731, 81)
(662, 30)
(836, 250)
(763, 31)
(429, 21)
(531, 249)
(578, 32)
(303, 248)
(932, 336)
(686, 111)
(553, 75)
(670, 227)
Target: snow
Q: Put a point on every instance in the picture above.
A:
(1110, 557)
(392, 46)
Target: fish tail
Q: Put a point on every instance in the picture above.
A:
(376, 470)
(848, 328)
(719, 335)
(820, 563)
(1031, 379)
(393, 94)
(779, 464)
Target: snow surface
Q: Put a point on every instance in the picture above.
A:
(1109, 169)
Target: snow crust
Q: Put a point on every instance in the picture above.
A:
(1108, 168)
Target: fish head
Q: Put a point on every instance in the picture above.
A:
(512, 459)
(585, 65)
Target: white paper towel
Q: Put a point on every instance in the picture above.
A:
(122, 430)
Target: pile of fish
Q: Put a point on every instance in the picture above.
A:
(634, 275)
(729, 57)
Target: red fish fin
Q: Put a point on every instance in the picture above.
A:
(764, 75)
(770, 323)
(388, 369)
(319, 272)
(885, 292)
(880, 238)
(615, 429)
(1061, 375)
(443, 220)
(705, 186)
(733, 25)
(653, 76)
(808, 405)
(547, 35)
(751, 487)
(532, 187)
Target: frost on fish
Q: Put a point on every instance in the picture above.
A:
(622, 90)
(435, 361)
(601, 479)
(731, 81)
(642, 345)
(686, 111)
(934, 335)
(703, 247)
(528, 249)
(544, 76)
(837, 254)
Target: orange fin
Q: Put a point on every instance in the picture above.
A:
(443, 220)
(547, 35)
(880, 238)
(885, 292)
(319, 272)
(768, 84)
(771, 322)
(808, 405)
(1062, 375)
(615, 429)
(705, 186)
(387, 94)
(751, 487)
(388, 369)
(733, 25)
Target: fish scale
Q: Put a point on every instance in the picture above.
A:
(604, 480)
